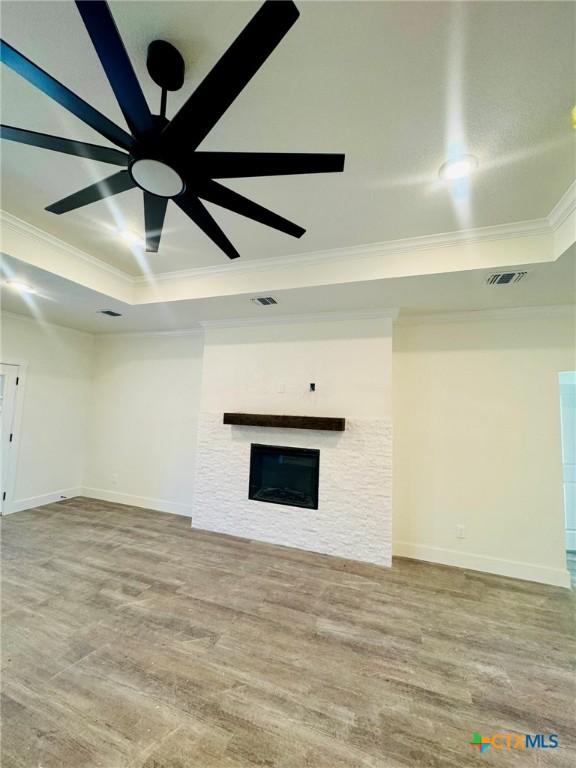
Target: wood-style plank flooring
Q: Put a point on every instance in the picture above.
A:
(131, 641)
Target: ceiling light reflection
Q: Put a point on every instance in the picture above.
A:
(20, 286)
(459, 168)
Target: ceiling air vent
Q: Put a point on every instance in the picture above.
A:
(505, 278)
(264, 301)
(109, 312)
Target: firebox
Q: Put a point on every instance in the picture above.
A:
(281, 475)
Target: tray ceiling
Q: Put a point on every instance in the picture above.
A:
(390, 84)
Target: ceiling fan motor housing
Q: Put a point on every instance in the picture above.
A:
(165, 65)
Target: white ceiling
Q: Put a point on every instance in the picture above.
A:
(67, 303)
(392, 85)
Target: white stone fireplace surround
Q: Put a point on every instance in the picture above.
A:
(268, 369)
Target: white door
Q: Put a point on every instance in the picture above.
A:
(568, 422)
(9, 381)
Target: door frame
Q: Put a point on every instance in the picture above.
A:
(7, 504)
(567, 394)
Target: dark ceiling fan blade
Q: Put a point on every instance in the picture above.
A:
(154, 212)
(67, 146)
(230, 165)
(51, 87)
(231, 73)
(113, 185)
(191, 206)
(106, 39)
(227, 198)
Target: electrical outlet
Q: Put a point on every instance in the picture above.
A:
(460, 532)
(114, 479)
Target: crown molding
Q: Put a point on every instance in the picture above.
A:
(355, 252)
(482, 315)
(563, 208)
(533, 227)
(245, 322)
(149, 334)
(31, 320)
(11, 222)
(312, 317)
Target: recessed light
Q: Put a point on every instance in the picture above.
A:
(460, 168)
(130, 237)
(18, 285)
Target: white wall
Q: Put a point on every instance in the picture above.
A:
(55, 393)
(145, 403)
(477, 441)
(268, 369)
(476, 420)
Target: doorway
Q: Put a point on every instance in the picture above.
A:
(9, 382)
(568, 428)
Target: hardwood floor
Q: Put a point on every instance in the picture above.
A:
(131, 641)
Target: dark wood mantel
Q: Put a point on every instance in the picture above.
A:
(287, 422)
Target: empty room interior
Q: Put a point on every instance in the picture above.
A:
(288, 384)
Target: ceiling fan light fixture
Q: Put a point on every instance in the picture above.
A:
(189, 178)
(460, 168)
(158, 178)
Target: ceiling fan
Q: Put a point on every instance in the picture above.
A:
(160, 156)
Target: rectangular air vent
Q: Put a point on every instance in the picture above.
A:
(505, 278)
(110, 313)
(264, 301)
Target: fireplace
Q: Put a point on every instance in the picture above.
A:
(280, 475)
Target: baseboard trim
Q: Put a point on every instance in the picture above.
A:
(158, 505)
(558, 577)
(21, 505)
